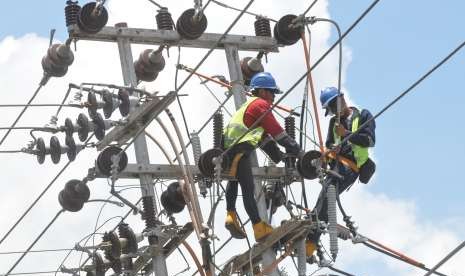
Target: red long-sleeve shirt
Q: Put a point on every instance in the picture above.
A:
(268, 123)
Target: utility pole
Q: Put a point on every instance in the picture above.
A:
(141, 151)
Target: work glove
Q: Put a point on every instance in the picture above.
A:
(289, 144)
(273, 151)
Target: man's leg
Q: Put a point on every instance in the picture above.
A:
(245, 177)
(231, 195)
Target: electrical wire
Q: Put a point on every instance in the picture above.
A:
(177, 96)
(339, 271)
(29, 273)
(35, 241)
(372, 5)
(39, 197)
(410, 88)
(309, 7)
(156, 4)
(443, 261)
(21, 114)
(221, 4)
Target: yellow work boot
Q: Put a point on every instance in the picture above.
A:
(232, 224)
(261, 230)
(310, 248)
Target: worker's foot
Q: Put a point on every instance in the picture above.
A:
(232, 224)
(261, 230)
(310, 248)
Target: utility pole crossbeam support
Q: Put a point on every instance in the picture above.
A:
(137, 120)
(172, 38)
(235, 73)
(301, 257)
(140, 144)
(173, 172)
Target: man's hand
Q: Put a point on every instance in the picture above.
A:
(341, 130)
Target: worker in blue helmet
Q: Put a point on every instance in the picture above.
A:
(266, 134)
(345, 120)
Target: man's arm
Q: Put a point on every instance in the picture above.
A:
(366, 136)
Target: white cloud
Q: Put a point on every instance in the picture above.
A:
(394, 221)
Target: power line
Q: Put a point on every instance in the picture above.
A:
(35, 241)
(309, 7)
(39, 197)
(21, 114)
(452, 253)
(35, 251)
(247, 12)
(29, 273)
(405, 92)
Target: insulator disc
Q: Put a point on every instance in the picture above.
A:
(125, 105)
(53, 69)
(61, 55)
(99, 124)
(305, 165)
(188, 27)
(77, 189)
(206, 165)
(72, 149)
(172, 198)
(104, 161)
(83, 127)
(69, 204)
(283, 33)
(110, 104)
(90, 23)
(41, 150)
(55, 149)
(69, 127)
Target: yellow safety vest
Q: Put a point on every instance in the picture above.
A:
(360, 153)
(236, 128)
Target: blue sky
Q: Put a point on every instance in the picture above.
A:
(419, 140)
(419, 148)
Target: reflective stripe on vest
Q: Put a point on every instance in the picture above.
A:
(236, 128)
(360, 153)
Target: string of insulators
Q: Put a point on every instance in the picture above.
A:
(289, 125)
(164, 19)
(150, 63)
(74, 195)
(55, 150)
(113, 253)
(197, 151)
(262, 27)
(218, 125)
(72, 12)
(149, 215)
(332, 220)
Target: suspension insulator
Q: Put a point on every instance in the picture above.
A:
(286, 34)
(126, 232)
(149, 212)
(113, 252)
(262, 27)
(126, 102)
(105, 162)
(149, 64)
(332, 220)
(72, 12)
(218, 125)
(190, 25)
(74, 195)
(172, 198)
(164, 19)
(308, 164)
(249, 67)
(57, 60)
(289, 125)
(91, 18)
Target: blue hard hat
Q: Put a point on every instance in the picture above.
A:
(328, 94)
(264, 80)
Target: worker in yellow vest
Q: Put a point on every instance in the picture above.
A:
(265, 135)
(355, 150)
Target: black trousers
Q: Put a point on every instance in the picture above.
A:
(245, 180)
